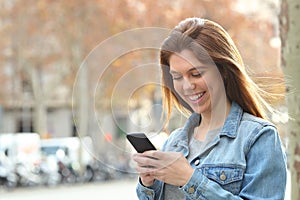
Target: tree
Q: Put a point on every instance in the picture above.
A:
(44, 43)
(290, 31)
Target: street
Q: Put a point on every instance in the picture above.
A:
(111, 190)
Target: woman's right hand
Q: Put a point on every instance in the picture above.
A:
(144, 172)
(146, 179)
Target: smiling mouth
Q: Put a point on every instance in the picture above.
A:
(196, 97)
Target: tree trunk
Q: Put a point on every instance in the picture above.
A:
(40, 110)
(81, 101)
(290, 37)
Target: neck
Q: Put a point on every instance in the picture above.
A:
(212, 120)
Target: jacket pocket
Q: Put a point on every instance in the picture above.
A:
(228, 176)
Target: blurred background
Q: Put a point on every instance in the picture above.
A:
(76, 76)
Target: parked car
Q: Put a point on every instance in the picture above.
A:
(20, 158)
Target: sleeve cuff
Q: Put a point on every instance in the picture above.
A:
(195, 187)
(148, 191)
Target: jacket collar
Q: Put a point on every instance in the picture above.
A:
(230, 126)
(233, 121)
(193, 121)
(181, 138)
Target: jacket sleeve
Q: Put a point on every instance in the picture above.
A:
(149, 193)
(264, 177)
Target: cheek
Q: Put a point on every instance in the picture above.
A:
(177, 86)
(213, 81)
(203, 83)
(215, 87)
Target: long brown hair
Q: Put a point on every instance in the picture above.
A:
(199, 35)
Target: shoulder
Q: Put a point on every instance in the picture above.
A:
(254, 128)
(179, 137)
(174, 137)
(244, 125)
(251, 122)
(176, 133)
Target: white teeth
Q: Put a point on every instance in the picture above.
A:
(196, 97)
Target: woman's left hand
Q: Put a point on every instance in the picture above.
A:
(169, 167)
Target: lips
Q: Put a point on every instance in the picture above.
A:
(195, 97)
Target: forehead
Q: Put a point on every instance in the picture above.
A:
(183, 60)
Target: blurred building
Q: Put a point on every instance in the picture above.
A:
(20, 119)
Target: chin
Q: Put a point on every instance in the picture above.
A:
(201, 109)
(197, 110)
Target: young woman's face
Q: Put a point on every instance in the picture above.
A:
(198, 84)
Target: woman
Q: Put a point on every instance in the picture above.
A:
(227, 149)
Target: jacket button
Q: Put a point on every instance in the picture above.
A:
(191, 190)
(197, 162)
(149, 193)
(223, 176)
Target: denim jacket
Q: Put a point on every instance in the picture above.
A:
(245, 161)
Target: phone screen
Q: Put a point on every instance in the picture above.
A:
(140, 142)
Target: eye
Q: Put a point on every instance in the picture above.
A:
(176, 77)
(198, 74)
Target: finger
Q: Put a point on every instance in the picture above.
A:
(146, 176)
(167, 158)
(136, 155)
(145, 166)
(146, 161)
(140, 156)
(159, 155)
(154, 154)
(145, 170)
(159, 171)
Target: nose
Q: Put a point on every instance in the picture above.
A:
(188, 84)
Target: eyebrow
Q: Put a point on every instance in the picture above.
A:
(199, 68)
